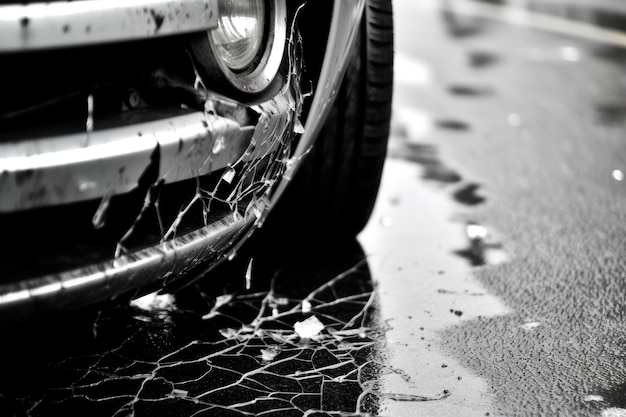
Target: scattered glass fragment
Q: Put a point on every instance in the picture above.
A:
(280, 301)
(249, 275)
(308, 328)
(145, 319)
(237, 343)
(306, 306)
(258, 209)
(229, 175)
(154, 302)
(298, 127)
(269, 354)
(475, 232)
(593, 398)
(618, 175)
(530, 326)
(209, 107)
(219, 145)
(414, 398)
(483, 249)
(222, 300)
(179, 393)
(228, 333)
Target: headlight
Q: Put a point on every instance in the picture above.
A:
(247, 46)
(239, 36)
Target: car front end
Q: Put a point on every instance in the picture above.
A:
(144, 141)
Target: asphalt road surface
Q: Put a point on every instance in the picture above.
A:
(490, 281)
(500, 233)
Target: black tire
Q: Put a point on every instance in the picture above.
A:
(335, 189)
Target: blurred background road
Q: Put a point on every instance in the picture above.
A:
(499, 238)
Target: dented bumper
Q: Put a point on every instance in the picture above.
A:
(250, 158)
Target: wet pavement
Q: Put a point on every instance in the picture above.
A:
(491, 279)
(510, 126)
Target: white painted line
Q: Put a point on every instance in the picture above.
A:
(522, 17)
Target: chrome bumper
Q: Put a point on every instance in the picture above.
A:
(85, 166)
(177, 137)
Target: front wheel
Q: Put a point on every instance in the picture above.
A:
(335, 189)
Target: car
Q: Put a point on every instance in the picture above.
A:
(142, 142)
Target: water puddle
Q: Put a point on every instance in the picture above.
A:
(425, 289)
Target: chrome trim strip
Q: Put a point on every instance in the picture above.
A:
(79, 167)
(87, 22)
(86, 286)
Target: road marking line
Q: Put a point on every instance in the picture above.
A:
(522, 17)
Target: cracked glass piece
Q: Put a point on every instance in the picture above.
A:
(476, 232)
(309, 328)
(269, 354)
(154, 302)
(298, 128)
(220, 145)
(229, 175)
(249, 275)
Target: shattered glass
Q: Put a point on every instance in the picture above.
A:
(304, 340)
(245, 186)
